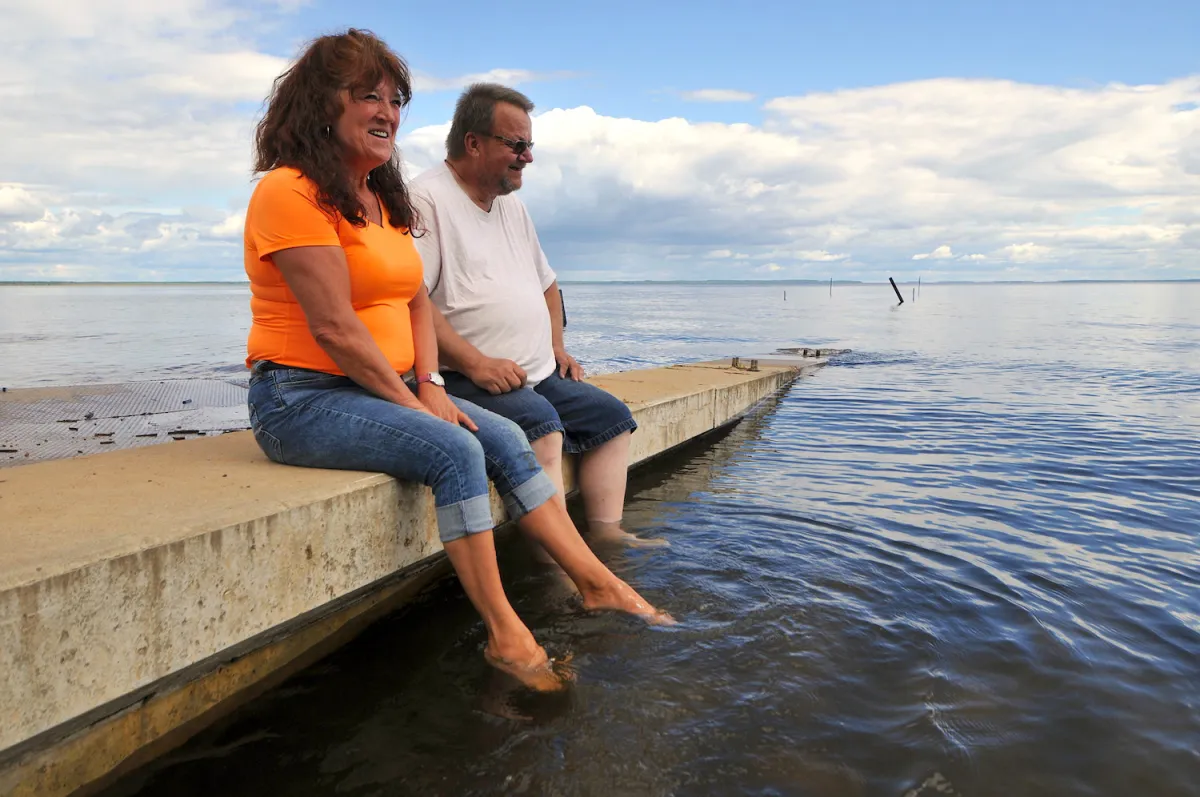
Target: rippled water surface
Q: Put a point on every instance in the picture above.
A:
(963, 560)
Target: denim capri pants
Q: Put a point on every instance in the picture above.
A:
(318, 420)
(586, 415)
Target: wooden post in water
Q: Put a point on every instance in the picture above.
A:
(831, 286)
(897, 290)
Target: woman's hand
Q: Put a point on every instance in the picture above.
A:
(414, 403)
(439, 404)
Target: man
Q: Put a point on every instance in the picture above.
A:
(498, 313)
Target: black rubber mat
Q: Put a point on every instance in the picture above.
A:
(52, 423)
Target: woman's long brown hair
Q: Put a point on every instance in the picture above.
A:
(303, 108)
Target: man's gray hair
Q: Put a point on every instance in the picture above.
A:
(474, 111)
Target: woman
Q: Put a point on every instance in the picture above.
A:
(340, 311)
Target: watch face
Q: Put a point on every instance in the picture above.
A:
(436, 379)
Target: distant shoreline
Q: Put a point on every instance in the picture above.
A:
(801, 283)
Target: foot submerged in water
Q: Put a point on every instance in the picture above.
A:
(536, 672)
(619, 596)
(600, 533)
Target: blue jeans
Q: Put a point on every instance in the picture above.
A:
(587, 416)
(318, 420)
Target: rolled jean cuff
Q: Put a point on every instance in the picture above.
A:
(529, 495)
(583, 446)
(543, 429)
(469, 516)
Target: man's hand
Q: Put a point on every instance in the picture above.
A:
(496, 375)
(568, 365)
(439, 404)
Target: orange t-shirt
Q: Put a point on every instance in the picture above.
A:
(385, 274)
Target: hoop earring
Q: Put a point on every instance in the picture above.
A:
(327, 131)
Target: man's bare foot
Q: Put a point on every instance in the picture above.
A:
(600, 533)
(619, 596)
(536, 671)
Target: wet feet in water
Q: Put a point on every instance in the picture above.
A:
(505, 697)
(600, 533)
(619, 596)
(536, 672)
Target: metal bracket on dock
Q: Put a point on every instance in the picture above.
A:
(736, 362)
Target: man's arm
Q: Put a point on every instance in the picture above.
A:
(566, 363)
(493, 374)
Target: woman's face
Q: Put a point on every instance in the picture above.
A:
(368, 124)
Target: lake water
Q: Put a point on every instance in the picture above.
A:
(962, 560)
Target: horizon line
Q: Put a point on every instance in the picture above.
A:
(814, 282)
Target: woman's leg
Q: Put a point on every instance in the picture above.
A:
(549, 526)
(531, 499)
(511, 646)
(303, 418)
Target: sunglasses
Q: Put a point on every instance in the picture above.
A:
(518, 146)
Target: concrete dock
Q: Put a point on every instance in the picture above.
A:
(146, 592)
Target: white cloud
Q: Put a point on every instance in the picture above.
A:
(975, 257)
(507, 77)
(1026, 253)
(941, 253)
(819, 256)
(231, 228)
(240, 75)
(18, 203)
(769, 268)
(717, 95)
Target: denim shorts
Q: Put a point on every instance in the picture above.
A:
(586, 415)
(318, 420)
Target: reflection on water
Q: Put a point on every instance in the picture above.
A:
(964, 560)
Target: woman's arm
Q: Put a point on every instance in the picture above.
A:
(320, 280)
(425, 361)
(425, 346)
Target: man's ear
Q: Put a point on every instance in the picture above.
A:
(472, 144)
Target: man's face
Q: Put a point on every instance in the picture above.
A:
(501, 165)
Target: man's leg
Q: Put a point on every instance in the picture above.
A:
(603, 472)
(549, 450)
(598, 426)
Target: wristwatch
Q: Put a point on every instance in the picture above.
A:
(434, 377)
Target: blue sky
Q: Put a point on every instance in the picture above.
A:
(710, 140)
(630, 58)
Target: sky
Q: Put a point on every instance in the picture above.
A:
(697, 140)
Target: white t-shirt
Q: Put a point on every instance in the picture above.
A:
(486, 272)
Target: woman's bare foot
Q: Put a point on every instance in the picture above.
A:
(616, 595)
(535, 671)
(601, 533)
